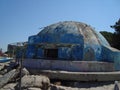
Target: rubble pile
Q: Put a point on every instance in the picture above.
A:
(10, 80)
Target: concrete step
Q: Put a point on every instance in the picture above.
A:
(80, 76)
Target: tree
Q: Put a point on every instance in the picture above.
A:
(116, 27)
(116, 34)
(109, 37)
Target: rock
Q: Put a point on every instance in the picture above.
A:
(4, 71)
(2, 66)
(10, 86)
(25, 72)
(8, 77)
(1, 76)
(35, 81)
(34, 89)
(5, 67)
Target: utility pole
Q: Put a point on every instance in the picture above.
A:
(20, 73)
(20, 62)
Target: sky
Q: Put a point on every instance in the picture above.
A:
(20, 19)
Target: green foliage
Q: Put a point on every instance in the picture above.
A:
(109, 37)
(116, 27)
(113, 38)
(117, 34)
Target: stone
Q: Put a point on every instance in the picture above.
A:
(10, 86)
(38, 81)
(1, 66)
(5, 67)
(25, 72)
(34, 89)
(8, 77)
(1, 76)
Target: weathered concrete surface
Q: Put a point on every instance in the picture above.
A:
(79, 76)
(111, 54)
(96, 86)
(104, 87)
(75, 66)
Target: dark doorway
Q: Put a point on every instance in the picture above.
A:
(51, 53)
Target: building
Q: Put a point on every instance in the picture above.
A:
(71, 46)
(15, 49)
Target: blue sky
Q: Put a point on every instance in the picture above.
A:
(22, 18)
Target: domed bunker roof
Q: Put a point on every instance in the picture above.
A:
(72, 32)
(70, 40)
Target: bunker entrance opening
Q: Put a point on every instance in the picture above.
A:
(51, 53)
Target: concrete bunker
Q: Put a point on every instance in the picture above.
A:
(74, 46)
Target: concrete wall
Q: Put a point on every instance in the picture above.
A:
(75, 66)
(74, 52)
(110, 54)
(31, 51)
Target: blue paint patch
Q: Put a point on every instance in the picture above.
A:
(107, 54)
(40, 53)
(71, 38)
(96, 49)
(77, 52)
(33, 39)
(31, 51)
(64, 53)
(110, 54)
(117, 61)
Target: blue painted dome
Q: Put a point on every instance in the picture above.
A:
(67, 40)
(69, 31)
